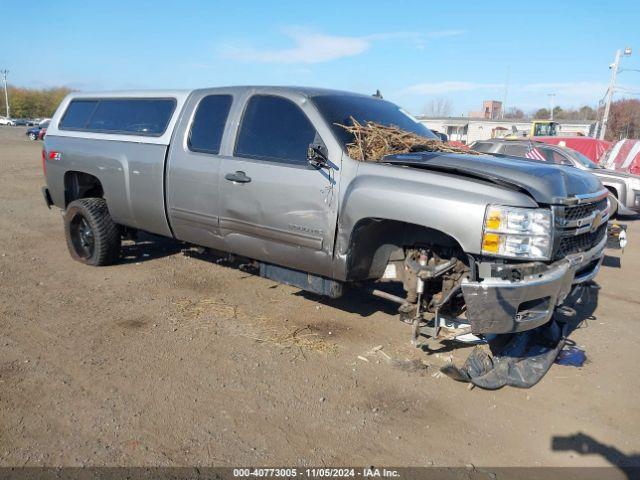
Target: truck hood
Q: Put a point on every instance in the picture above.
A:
(546, 183)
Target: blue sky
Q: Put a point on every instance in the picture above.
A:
(413, 51)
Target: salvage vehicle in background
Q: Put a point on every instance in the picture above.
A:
(38, 132)
(7, 121)
(21, 122)
(480, 244)
(539, 128)
(544, 128)
(624, 187)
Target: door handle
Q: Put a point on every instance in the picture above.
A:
(238, 177)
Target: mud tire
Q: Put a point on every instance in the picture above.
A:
(92, 236)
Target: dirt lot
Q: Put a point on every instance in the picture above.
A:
(172, 359)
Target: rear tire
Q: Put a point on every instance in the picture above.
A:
(92, 236)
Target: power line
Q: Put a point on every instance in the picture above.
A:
(612, 86)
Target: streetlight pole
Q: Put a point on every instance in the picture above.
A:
(6, 94)
(612, 85)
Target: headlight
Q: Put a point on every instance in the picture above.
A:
(517, 232)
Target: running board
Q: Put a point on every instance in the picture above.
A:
(303, 280)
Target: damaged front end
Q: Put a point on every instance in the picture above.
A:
(451, 295)
(514, 298)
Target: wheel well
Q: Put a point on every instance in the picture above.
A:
(81, 185)
(375, 241)
(612, 190)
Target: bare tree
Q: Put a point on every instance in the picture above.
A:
(515, 113)
(624, 119)
(438, 107)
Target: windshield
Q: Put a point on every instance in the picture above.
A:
(545, 130)
(337, 109)
(584, 161)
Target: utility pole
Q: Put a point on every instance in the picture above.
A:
(506, 91)
(552, 97)
(612, 86)
(6, 94)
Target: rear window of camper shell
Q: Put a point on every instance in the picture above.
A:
(128, 116)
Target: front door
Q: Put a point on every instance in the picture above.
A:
(274, 206)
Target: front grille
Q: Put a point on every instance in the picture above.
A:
(579, 219)
(580, 243)
(580, 211)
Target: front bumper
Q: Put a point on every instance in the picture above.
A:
(496, 305)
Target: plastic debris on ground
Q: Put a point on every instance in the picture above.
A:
(521, 362)
(571, 357)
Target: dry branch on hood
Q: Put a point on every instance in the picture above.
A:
(373, 141)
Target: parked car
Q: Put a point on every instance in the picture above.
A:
(43, 131)
(592, 148)
(21, 122)
(37, 133)
(7, 121)
(624, 187)
(264, 173)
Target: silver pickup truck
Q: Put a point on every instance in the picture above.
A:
(479, 244)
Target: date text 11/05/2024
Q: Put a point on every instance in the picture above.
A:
(368, 472)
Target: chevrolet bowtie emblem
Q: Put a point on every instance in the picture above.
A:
(597, 220)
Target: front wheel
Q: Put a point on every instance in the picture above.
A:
(92, 236)
(33, 136)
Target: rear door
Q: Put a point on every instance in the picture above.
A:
(193, 169)
(274, 206)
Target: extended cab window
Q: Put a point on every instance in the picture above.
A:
(274, 128)
(131, 116)
(208, 124)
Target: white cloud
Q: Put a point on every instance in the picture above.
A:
(314, 47)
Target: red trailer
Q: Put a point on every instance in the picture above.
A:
(625, 157)
(591, 148)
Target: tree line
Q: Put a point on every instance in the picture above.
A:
(31, 102)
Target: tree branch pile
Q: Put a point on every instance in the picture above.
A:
(372, 142)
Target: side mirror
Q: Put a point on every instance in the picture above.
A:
(318, 156)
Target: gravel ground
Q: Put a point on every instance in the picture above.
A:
(173, 359)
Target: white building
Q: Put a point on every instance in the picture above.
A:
(468, 130)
